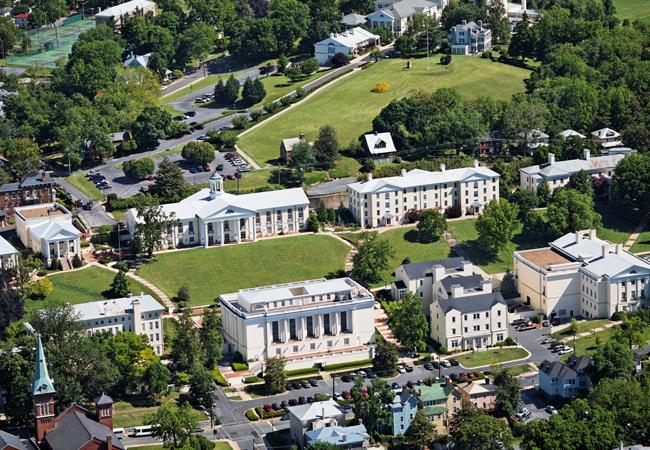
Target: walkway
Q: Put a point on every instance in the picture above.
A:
(590, 332)
(381, 325)
(453, 245)
(351, 253)
(635, 234)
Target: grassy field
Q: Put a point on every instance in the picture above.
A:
(582, 327)
(406, 242)
(214, 271)
(616, 227)
(87, 187)
(491, 356)
(633, 9)
(278, 85)
(349, 105)
(519, 369)
(642, 244)
(81, 286)
(587, 345)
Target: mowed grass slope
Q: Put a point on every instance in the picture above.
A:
(214, 271)
(633, 9)
(349, 105)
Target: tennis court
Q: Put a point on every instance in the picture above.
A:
(48, 44)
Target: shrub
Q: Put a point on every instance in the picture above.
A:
(360, 363)
(444, 350)
(240, 122)
(452, 212)
(183, 295)
(445, 60)
(618, 315)
(76, 261)
(218, 377)
(339, 60)
(40, 289)
(181, 379)
(510, 341)
(309, 66)
(486, 55)
(256, 114)
(536, 319)
(239, 367)
(286, 101)
(381, 87)
(139, 168)
(252, 415)
(84, 244)
(253, 379)
(305, 371)
(199, 153)
(300, 93)
(237, 357)
(271, 107)
(124, 267)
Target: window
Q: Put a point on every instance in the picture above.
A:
(295, 349)
(312, 346)
(310, 326)
(293, 334)
(275, 328)
(326, 324)
(476, 315)
(477, 328)
(499, 313)
(344, 322)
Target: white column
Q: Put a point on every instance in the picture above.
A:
(205, 234)
(318, 325)
(253, 222)
(221, 233)
(238, 230)
(285, 330)
(302, 327)
(334, 323)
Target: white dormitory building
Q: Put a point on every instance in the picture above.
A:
(581, 275)
(420, 278)
(469, 320)
(47, 229)
(348, 42)
(469, 38)
(116, 15)
(309, 323)
(212, 216)
(396, 14)
(8, 255)
(138, 314)
(557, 173)
(385, 201)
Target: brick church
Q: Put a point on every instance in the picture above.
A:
(76, 428)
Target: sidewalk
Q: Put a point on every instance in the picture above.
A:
(631, 240)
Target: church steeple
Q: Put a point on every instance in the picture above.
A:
(216, 184)
(42, 394)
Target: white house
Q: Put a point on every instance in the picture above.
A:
(607, 138)
(212, 216)
(314, 416)
(47, 229)
(308, 323)
(379, 146)
(348, 42)
(116, 15)
(137, 61)
(470, 321)
(566, 134)
(138, 314)
(420, 278)
(532, 140)
(557, 173)
(8, 255)
(396, 14)
(385, 201)
(581, 275)
(469, 38)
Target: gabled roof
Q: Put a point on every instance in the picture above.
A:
(9, 440)
(115, 307)
(605, 133)
(355, 434)
(472, 388)
(406, 8)
(353, 19)
(349, 38)
(472, 303)
(423, 269)
(468, 283)
(74, 429)
(316, 410)
(571, 133)
(574, 368)
(6, 248)
(419, 177)
(103, 400)
(126, 8)
(434, 393)
(54, 230)
(137, 60)
(379, 143)
(571, 166)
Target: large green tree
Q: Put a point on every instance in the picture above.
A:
(153, 223)
(290, 20)
(497, 225)
(409, 323)
(186, 345)
(473, 429)
(211, 336)
(8, 35)
(170, 183)
(23, 154)
(431, 225)
(198, 153)
(631, 183)
(156, 379)
(422, 432)
(150, 126)
(508, 389)
(275, 378)
(384, 363)
(571, 210)
(196, 43)
(613, 359)
(326, 146)
(139, 168)
(174, 424)
(372, 258)
(368, 403)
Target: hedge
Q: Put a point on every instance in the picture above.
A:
(218, 377)
(305, 371)
(238, 367)
(269, 415)
(253, 379)
(360, 363)
(251, 415)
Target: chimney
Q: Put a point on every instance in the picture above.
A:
(524, 6)
(578, 236)
(476, 163)
(592, 234)
(376, 132)
(442, 167)
(486, 286)
(323, 413)
(619, 249)
(301, 136)
(456, 291)
(467, 267)
(403, 172)
(438, 273)
(586, 154)
(551, 158)
(605, 250)
(369, 176)
(464, 22)
(109, 442)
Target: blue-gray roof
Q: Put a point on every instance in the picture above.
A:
(423, 269)
(8, 440)
(472, 303)
(75, 429)
(470, 282)
(356, 434)
(576, 366)
(42, 383)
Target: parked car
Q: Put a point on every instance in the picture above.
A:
(305, 384)
(372, 375)
(454, 377)
(219, 167)
(435, 364)
(283, 404)
(296, 385)
(401, 369)
(276, 407)
(302, 400)
(445, 363)
(346, 395)
(396, 386)
(347, 378)
(203, 137)
(288, 387)
(79, 203)
(268, 408)
(337, 396)
(550, 409)
(547, 341)
(454, 362)
(428, 366)
(565, 351)
(88, 206)
(190, 113)
(310, 399)
(206, 167)
(314, 383)
(284, 417)
(521, 321)
(408, 368)
(292, 402)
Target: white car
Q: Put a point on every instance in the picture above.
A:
(445, 363)
(565, 350)
(401, 369)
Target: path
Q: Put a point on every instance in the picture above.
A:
(635, 234)
(453, 245)
(351, 253)
(591, 332)
(381, 325)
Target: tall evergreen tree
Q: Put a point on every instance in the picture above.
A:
(326, 147)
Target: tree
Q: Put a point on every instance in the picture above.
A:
(16, 373)
(120, 285)
(153, 222)
(211, 336)
(186, 345)
(372, 258)
(156, 379)
(571, 210)
(508, 287)
(631, 183)
(253, 91)
(323, 445)
(41, 288)
(473, 429)
(196, 43)
(12, 305)
(174, 424)
(326, 146)
(385, 361)
(368, 403)
(526, 200)
(507, 392)
(632, 331)
(198, 153)
(227, 93)
(613, 359)
(409, 323)
(275, 378)
(202, 388)
(23, 155)
(8, 35)
(544, 192)
(573, 330)
(170, 183)
(497, 225)
(131, 354)
(496, 19)
(309, 66)
(150, 126)
(431, 225)
(302, 156)
(524, 40)
(290, 20)
(421, 432)
(405, 44)
(139, 168)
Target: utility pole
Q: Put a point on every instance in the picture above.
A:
(426, 26)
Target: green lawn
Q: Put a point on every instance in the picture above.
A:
(214, 271)
(278, 85)
(519, 369)
(633, 9)
(616, 227)
(642, 244)
(81, 286)
(87, 187)
(587, 345)
(491, 356)
(349, 105)
(582, 326)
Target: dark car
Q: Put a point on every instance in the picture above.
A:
(276, 407)
(454, 377)
(190, 113)
(314, 383)
(409, 369)
(296, 385)
(293, 402)
(428, 366)
(435, 364)
(206, 167)
(346, 378)
(88, 206)
(79, 203)
(192, 169)
(305, 384)
(310, 399)
(219, 167)
(302, 400)
(395, 386)
(289, 387)
(284, 418)
(454, 362)
(283, 404)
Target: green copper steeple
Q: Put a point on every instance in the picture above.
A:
(42, 383)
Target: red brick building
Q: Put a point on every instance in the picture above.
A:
(31, 190)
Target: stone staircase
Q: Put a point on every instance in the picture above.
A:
(381, 325)
(65, 264)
